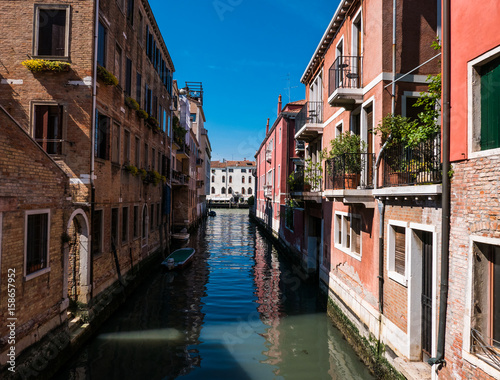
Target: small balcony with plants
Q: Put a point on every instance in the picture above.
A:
(309, 121)
(306, 182)
(345, 82)
(349, 170)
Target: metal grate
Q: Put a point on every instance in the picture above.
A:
(490, 351)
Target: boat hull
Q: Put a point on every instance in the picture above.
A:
(178, 259)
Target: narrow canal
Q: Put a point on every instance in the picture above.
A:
(239, 311)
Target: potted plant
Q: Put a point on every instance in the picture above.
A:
(132, 103)
(131, 169)
(106, 77)
(313, 174)
(142, 114)
(39, 65)
(346, 153)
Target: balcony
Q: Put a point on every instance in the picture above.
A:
(183, 152)
(300, 146)
(349, 178)
(345, 86)
(309, 122)
(268, 191)
(405, 167)
(179, 179)
(269, 155)
(199, 162)
(301, 189)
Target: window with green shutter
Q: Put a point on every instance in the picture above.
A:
(490, 105)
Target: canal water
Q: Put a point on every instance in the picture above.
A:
(240, 311)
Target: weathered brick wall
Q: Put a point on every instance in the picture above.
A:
(29, 180)
(475, 210)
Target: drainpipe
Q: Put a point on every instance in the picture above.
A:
(393, 91)
(445, 227)
(381, 210)
(92, 142)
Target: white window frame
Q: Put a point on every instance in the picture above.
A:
(469, 356)
(36, 23)
(398, 277)
(474, 85)
(357, 17)
(40, 272)
(406, 95)
(341, 245)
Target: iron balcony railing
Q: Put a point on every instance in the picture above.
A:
(312, 113)
(296, 183)
(345, 72)
(179, 177)
(350, 171)
(487, 348)
(419, 165)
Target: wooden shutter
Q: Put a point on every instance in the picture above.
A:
(356, 235)
(41, 125)
(490, 103)
(399, 249)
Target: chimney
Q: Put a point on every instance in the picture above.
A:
(267, 127)
(279, 105)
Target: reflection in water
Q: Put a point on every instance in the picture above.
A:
(238, 312)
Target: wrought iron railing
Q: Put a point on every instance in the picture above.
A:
(179, 177)
(312, 112)
(350, 171)
(345, 72)
(296, 183)
(403, 166)
(487, 347)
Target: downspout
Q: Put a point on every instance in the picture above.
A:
(381, 210)
(445, 226)
(393, 91)
(92, 141)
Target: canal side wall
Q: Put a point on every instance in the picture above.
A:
(43, 359)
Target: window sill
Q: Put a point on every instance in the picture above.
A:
(399, 278)
(354, 255)
(36, 274)
(482, 364)
(484, 153)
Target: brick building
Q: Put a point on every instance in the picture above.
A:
(356, 194)
(34, 215)
(100, 108)
(472, 322)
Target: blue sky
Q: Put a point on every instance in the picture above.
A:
(243, 51)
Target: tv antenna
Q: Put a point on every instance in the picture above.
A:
(289, 87)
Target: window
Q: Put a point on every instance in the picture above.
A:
(145, 222)
(138, 89)
(130, 12)
(243, 190)
(148, 101)
(102, 137)
(230, 170)
(223, 179)
(230, 179)
(114, 228)
(249, 191)
(242, 179)
(250, 179)
(137, 152)
(155, 107)
(243, 170)
(116, 143)
(126, 146)
(158, 214)
(124, 224)
(140, 32)
(128, 77)
(97, 231)
(164, 119)
(146, 156)
(37, 241)
(486, 294)
(223, 190)
(51, 31)
(159, 163)
(213, 190)
(193, 118)
(136, 221)
(347, 234)
(213, 178)
(102, 45)
(396, 251)
(230, 190)
(153, 159)
(47, 127)
(118, 64)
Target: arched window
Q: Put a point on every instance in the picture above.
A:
(213, 190)
(223, 190)
(223, 178)
(230, 190)
(249, 191)
(230, 179)
(250, 179)
(213, 178)
(242, 179)
(242, 190)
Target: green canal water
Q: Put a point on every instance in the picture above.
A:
(239, 311)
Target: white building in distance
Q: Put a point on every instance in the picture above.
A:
(230, 180)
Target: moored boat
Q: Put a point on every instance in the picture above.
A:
(178, 259)
(212, 213)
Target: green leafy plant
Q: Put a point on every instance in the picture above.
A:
(313, 174)
(132, 103)
(132, 169)
(106, 77)
(350, 147)
(164, 179)
(39, 65)
(142, 114)
(153, 123)
(143, 173)
(178, 132)
(153, 177)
